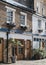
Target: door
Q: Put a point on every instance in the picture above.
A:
(28, 50)
(19, 49)
(1, 53)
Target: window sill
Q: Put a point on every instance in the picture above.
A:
(8, 22)
(23, 26)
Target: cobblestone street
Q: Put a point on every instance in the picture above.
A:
(37, 62)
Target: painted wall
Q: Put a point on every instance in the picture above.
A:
(40, 4)
(35, 23)
(35, 45)
(3, 35)
(35, 28)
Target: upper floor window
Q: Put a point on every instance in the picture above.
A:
(45, 25)
(39, 23)
(23, 19)
(10, 15)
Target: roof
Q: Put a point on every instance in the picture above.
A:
(16, 4)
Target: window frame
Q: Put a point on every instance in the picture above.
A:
(25, 14)
(39, 22)
(13, 13)
(45, 26)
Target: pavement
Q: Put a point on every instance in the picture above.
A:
(26, 62)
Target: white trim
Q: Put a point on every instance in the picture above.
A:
(13, 16)
(16, 36)
(39, 17)
(25, 14)
(20, 36)
(3, 35)
(10, 8)
(41, 37)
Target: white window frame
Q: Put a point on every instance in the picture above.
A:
(45, 26)
(39, 27)
(13, 13)
(25, 14)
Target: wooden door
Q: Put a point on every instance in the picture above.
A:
(1, 51)
(28, 49)
(20, 50)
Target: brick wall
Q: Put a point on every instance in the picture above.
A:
(17, 21)
(17, 17)
(2, 13)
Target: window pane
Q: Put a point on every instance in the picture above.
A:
(20, 50)
(39, 23)
(45, 26)
(22, 19)
(9, 15)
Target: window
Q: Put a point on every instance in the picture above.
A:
(20, 50)
(45, 25)
(36, 39)
(39, 23)
(10, 15)
(23, 19)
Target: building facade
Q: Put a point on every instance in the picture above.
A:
(21, 16)
(39, 25)
(29, 32)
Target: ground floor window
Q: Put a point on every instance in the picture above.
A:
(40, 43)
(20, 50)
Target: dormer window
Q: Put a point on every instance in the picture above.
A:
(10, 12)
(23, 19)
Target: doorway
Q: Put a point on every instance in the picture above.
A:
(1, 50)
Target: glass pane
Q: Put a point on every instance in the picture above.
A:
(22, 19)
(45, 26)
(9, 15)
(39, 23)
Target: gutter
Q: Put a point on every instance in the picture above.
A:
(18, 6)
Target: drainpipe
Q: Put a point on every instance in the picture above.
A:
(7, 45)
